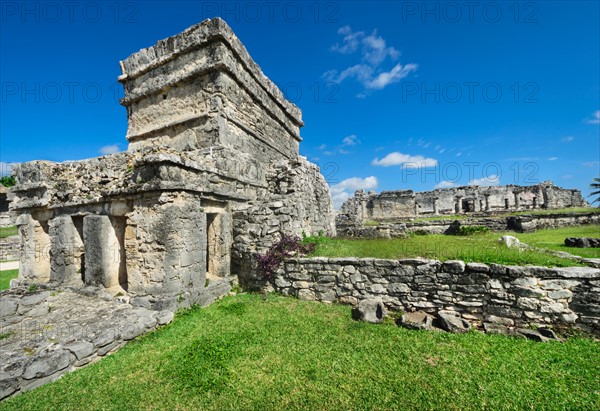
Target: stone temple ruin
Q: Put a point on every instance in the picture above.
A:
(212, 175)
(390, 206)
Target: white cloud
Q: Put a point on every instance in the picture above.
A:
(445, 184)
(348, 141)
(492, 180)
(595, 118)
(339, 199)
(351, 40)
(373, 52)
(373, 47)
(110, 149)
(552, 158)
(396, 158)
(351, 140)
(591, 164)
(567, 139)
(393, 76)
(341, 191)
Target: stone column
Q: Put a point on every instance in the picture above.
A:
(102, 251)
(66, 249)
(435, 206)
(487, 202)
(517, 203)
(457, 207)
(35, 246)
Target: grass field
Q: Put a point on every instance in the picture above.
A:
(6, 276)
(559, 211)
(8, 231)
(554, 239)
(246, 352)
(482, 247)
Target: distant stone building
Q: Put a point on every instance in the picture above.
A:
(212, 176)
(5, 218)
(393, 205)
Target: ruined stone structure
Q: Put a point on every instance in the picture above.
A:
(212, 175)
(390, 206)
(5, 218)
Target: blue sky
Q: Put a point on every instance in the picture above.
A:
(395, 94)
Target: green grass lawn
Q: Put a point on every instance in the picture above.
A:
(246, 352)
(559, 211)
(554, 239)
(504, 215)
(8, 231)
(6, 276)
(483, 248)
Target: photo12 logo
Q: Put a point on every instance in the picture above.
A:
(326, 92)
(476, 173)
(25, 12)
(272, 11)
(470, 11)
(59, 92)
(470, 92)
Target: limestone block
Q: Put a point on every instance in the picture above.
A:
(370, 310)
(452, 323)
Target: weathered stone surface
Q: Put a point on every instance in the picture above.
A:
(8, 306)
(453, 324)
(453, 266)
(81, 349)
(370, 310)
(164, 317)
(540, 335)
(585, 242)
(510, 241)
(417, 320)
(40, 345)
(47, 364)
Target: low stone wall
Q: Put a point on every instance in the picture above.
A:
(494, 296)
(6, 220)
(499, 223)
(9, 248)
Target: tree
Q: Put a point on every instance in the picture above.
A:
(595, 186)
(7, 181)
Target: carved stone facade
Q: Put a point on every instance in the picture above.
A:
(212, 176)
(390, 206)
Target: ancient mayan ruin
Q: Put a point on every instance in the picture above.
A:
(212, 176)
(390, 206)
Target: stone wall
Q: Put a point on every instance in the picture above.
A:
(519, 223)
(492, 295)
(390, 206)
